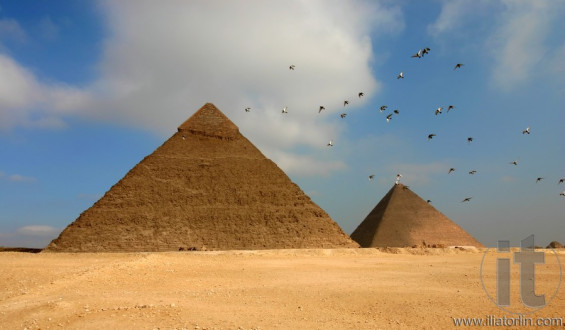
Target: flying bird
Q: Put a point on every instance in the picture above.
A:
(247, 109)
(561, 181)
(458, 66)
(466, 199)
(451, 107)
(321, 108)
(389, 117)
(343, 115)
(396, 112)
(361, 94)
(472, 172)
(438, 110)
(514, 162)
(451, 170)
(383, 108)
(371, 177)
(422, 52)
(431, 136)
(469, 139)
(291, 67)
(345, 103)
(526, 131)
(330, 144)
(284, 110)
(562, 194)
(400, 75)
(539, 179)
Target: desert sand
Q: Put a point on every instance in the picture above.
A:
(262, 289)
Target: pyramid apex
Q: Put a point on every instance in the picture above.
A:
(399, 186)
(210, 121)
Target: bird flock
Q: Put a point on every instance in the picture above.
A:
(438, 111)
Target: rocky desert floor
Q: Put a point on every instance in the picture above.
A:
(265, 289)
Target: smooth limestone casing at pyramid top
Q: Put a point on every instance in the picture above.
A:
(403, 219)
(206, 187)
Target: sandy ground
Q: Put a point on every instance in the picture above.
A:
(272, 289)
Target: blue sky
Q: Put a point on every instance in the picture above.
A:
(87, 89)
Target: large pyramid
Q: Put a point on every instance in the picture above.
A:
(206, 187)
(403, 219)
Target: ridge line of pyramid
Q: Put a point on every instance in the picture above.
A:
(361, 234)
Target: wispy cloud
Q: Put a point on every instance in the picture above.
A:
(21, 178)
(416, 173)
(48, 29)
(453, 15)
(508, 178)
(10, 29)
(16, 177)
(513, 33)
(38, 230)
(306, 165)
(519, 44)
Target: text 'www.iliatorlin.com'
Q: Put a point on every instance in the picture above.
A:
(504, 321)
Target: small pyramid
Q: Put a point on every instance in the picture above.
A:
(403, 219)
(207, 187)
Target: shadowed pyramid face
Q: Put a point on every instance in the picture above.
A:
(206, 187)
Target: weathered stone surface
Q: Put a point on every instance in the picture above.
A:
(209, 121)
(403, 219)
(206, 187)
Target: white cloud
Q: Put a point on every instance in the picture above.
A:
(21, 178)
(162, 61)
(156, 74)
(18, 87)
(26, 102)
(306, 165)
(38, 230)
(518, 46)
